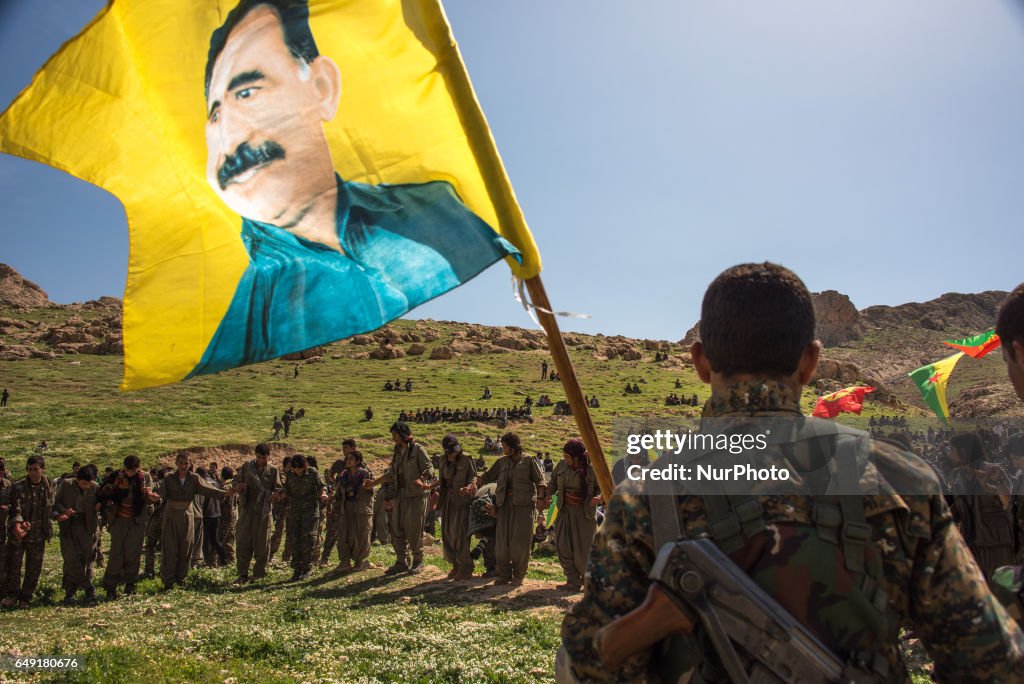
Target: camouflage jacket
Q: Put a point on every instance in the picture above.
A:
(927, 572)
(32, 503)
(304, 493)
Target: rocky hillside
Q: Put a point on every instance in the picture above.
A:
(17, 292)
(878, 345)
(881, 344)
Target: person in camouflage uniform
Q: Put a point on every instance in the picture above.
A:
(179, 490)
(155, 527)
(228, 517)
(575, 485)
(129, 498)
(520, 484)
(28, 529)
(457, 475)
(280, 513)
(354, 507)
(757, 351)
(74, 507)
(305, 492)
(411, 473)
(259, 486)
(318, 537)
(333, 513)
(5, 506)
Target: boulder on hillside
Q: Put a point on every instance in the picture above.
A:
(466, 347)
(16, 352)
(415, 349)
(510, 343)
(386, 352)
(304, 354)
(361, 339)
(441, 353)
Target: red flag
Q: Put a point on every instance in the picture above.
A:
(850, 399)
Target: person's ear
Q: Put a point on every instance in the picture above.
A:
(326, 78)
(808, 363)
(700, 361)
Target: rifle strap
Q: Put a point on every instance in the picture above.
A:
(664, 520)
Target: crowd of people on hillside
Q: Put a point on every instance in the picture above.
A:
(444, 414)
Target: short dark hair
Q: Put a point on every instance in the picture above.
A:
(263, 449)
(294, 18)
(1010, 322)
(131, 461)
(756, 318)
(35, 460)
(226, 473)
(311, 460)
(349, 443)
(1015, 444)
(358, 455)
(85, 474)
(299, 461)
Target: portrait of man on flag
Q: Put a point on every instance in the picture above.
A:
(328, 258)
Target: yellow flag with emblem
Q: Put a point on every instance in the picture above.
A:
(293, 171)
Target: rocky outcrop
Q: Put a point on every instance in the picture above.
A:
(415, 349)
(79, 336)
(838, 320)
(20, 293)
(983, 400)
(959, 314)
(17, 352)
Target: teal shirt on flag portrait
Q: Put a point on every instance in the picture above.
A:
(403, 245)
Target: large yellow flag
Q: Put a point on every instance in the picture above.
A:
(293, 171)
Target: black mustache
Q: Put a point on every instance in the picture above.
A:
(245, 158)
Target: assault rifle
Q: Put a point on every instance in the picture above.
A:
(756, 639)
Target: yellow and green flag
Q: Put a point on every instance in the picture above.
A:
(931, 380)
(293, 171)
(977, 346)
(552, 512)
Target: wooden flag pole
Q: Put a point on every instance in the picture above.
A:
(571, 384)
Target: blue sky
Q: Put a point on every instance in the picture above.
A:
(874, 148)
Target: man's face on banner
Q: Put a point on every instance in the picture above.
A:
(268, 158)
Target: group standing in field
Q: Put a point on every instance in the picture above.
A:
(162, 523)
